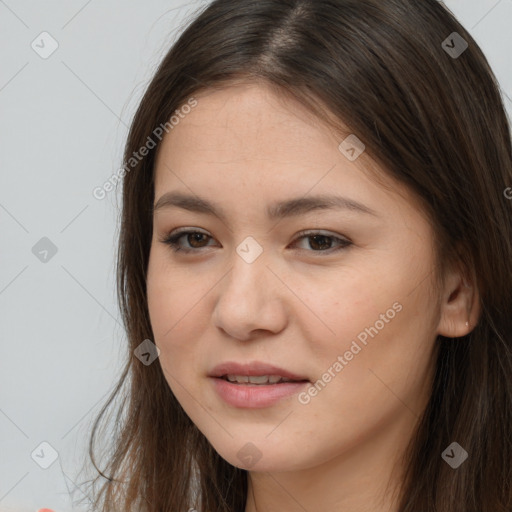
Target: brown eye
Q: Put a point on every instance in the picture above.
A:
(320, 242)
(195, 240)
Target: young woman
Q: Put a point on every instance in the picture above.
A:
(315, 268)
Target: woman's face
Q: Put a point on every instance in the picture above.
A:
(356, 321)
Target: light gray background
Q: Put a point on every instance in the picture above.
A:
(63, 121)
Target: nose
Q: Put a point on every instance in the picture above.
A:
(251, 300)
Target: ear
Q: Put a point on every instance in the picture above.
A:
(460, 304)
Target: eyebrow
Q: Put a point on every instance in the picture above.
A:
(279, 210)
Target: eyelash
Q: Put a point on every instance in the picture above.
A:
(172, 241)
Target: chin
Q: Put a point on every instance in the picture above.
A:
(259, 456)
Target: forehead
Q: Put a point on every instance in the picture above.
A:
(252, 121)
(247, 139)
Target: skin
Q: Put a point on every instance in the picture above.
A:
(299, 305)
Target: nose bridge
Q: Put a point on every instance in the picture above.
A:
(247, 283)
(248, 299)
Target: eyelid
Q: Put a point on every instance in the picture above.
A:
(322, 232)
(184, 230)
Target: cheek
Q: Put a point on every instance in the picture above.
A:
(176, 305)
(158, 288)
(340, 308)
(385, 360)
(380, 322)
(171, 295)
(170, 312)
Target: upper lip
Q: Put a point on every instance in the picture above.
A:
(252, 369)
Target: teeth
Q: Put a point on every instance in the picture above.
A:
(263, 379)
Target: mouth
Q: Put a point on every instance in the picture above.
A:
(254, 385)
(255, 373)
(258, 380)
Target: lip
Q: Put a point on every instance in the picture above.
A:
(254, 396)
(252, 369)
(257, 396)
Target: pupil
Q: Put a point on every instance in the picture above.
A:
(195, 237)
(324, 237)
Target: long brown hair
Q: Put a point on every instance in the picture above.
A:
(435, 121)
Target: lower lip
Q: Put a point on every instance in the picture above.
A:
(255, 396)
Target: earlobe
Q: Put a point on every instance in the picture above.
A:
(460, 306)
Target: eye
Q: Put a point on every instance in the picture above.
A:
(320, 242)
(320, 239)
(192, 236)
